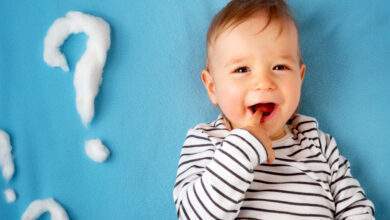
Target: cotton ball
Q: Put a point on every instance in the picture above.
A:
(38, 207)
(6, 161)
(96, 150)
(10, 195)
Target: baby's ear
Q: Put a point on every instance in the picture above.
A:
(302, 71)
(209, 84)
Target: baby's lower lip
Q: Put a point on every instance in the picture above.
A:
(271, 116)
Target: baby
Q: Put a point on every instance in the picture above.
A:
(260, 159)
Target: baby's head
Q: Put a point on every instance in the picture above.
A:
(253, 57)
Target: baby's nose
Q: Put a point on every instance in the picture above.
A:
(263, 81)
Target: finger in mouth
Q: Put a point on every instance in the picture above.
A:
(265, 108)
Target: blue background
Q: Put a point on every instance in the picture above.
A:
(151, 94)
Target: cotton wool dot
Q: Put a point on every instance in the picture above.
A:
(10, 195)
(96, 150)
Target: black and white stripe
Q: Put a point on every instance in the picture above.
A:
(223, 175)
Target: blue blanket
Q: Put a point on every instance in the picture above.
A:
(151, 94)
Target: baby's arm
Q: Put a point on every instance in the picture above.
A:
(211, 182)
(350, 200)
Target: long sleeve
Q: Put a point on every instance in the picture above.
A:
(212, 178)
(350, 199)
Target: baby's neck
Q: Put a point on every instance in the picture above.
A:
(278, 136)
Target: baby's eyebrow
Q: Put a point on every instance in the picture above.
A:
(288, 57)
(235, 61)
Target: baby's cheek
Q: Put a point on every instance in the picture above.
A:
(292, 98)
(231, 103)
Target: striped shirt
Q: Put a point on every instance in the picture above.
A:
(224, 174)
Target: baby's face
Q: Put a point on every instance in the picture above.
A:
(248, 66)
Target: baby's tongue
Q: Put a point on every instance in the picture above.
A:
(266, 107)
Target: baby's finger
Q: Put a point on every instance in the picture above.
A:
(256, 116)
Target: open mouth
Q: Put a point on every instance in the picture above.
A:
(266, 108)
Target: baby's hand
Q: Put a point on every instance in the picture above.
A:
(251, 123)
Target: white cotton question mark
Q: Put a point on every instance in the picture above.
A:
(7, 164)
(89, 69)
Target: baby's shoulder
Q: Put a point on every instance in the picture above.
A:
(213, 131)
(304, 125)
(307, 127)
(205, 127)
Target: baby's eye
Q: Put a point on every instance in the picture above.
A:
(280, 67)
(242, 69)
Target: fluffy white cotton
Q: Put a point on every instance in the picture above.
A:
(38, 207)
(6, 162)
(10, 195)
(89, 69)
(96, 150)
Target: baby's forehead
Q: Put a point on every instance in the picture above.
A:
(238, 38)
(257, 26)
(260, 19)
